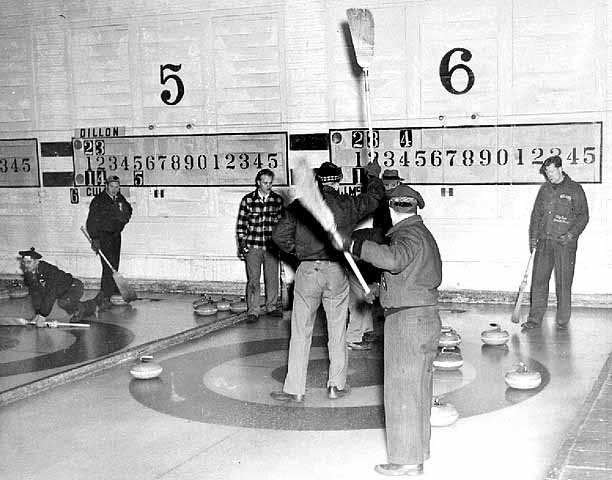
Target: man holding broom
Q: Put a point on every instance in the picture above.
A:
(109, 212)
(321, 278)
(409, 295)
(47, 284)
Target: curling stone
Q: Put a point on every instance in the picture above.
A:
(522, 378)
(443, 414)
(201, 301)
(223, 305)
(495, 335)
(18, 291)
(239, 306)
(449, 358)
(215, 297)
(205, 309)
(449, 337)
(117, 300)
(146, 369)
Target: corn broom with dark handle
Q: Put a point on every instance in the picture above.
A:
(127, 292)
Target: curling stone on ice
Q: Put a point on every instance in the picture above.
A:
(205, 309)
(146, 368)
(495, 335)
(443, 414)
(449, 337)
(449, 358)
(117, 300)
(223, 305)
(201, 301)
(522, 378)
(239, 306)
(18, 290)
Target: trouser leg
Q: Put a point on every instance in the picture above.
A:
(360, 312)
(306, 301)
(410, 343)
(271, 271)
(565, 260)
(110, 245)
(335, 303)
(543, 264)
(253, 259)
(69, 300)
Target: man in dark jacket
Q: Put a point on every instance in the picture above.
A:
(560, 214)
(409, 295)
(109, 212)
(321, 278)
(47, 284)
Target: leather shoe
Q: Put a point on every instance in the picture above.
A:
(287, 397)
(358, 346)
(528, 325)
(397, 469)
(251, 318)
(276, 313)
(334, 392)
(561, 326)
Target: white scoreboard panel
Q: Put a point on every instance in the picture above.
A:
(181, 160)
(474, 155)
(19, 165)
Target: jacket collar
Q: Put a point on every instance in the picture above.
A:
(406, 222)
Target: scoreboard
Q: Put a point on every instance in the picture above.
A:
(473, 155)
(181, 160)
(19, 164)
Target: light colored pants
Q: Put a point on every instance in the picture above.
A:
(360, 312)
(255, 258)
(411, 341)
(316, 282)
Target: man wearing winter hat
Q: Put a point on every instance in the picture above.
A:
(360, 328)
(321, 278)
(47, 284)
(409, 295)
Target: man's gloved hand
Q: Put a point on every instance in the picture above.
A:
(95, 244)
(372, 169)
(342, 243)
(374, 292)
(242, 247)
(565, 238)
(40, 320)
(533, 242)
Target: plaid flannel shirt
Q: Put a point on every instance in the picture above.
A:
(257, 218)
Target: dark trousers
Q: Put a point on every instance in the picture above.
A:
(69, 300)
(551, 255)
(255, 258)
(110, 244)
(411, 342)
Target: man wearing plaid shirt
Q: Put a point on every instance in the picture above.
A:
(259, 212)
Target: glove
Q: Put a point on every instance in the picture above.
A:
(374, 292)
(356, 247)
(242, 247)
(565, 238)
(342, 243)
(533, 242)
(95, 244)
(40, 320)
(372, 169)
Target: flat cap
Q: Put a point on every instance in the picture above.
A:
(403, 191)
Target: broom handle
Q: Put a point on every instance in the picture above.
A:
(369, 113)
(99, 251)
(351, 261)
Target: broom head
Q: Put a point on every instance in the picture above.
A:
(361, 25)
